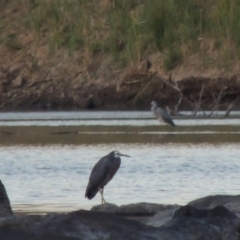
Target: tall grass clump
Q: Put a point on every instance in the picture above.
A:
(173, 24)
(224, 26)
(61, 22)
(127, 36)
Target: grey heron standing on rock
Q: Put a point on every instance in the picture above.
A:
(161, 114)
(102, 173)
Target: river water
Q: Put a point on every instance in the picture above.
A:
(46, 158)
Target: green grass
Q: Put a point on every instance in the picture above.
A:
(131, 29)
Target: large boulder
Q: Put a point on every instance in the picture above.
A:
(5, 206)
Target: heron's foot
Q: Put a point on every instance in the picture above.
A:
(103, 200)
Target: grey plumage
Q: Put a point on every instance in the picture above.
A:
(102, 173)
(161, 114)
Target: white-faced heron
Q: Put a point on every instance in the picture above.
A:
(102, 173)
(161, 114)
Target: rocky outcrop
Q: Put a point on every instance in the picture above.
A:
(133, 209)
(147, 213)
(195, 221)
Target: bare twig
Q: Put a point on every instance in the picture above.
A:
(218, 100)
(200, 95)
(198, 104)
(175, 87)
(231, 106)
(179, 100)
(131, 82)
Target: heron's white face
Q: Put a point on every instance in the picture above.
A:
(153, 103)
(117, 154)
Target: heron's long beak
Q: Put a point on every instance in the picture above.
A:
(124, 155)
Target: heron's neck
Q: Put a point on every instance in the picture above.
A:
(153, 107)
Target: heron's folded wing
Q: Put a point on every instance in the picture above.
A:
(165, 116)
(97, 177)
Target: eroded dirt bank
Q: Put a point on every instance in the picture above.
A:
(134, 89)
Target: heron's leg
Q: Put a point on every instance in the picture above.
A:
(101, 192)
(103, 197)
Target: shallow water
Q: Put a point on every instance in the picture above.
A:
(45, 167)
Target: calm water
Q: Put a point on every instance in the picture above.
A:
(46, 158)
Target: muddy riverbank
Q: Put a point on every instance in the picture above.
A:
(134, 90)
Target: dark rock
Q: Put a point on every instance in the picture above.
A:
(230, 235)
(23, 223)
(141, 212)
(107, 207)
(221, 212)
(144, 208)
(134, 209)
(190, 211)
(213, 201)
(161, 217)
(232, 203)
(218, 216)
(190, 229)
(97, 225)
(7, 234)
(5, 207)
(188, 222)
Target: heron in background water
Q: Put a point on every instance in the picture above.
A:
(102, 173)
(161, 114)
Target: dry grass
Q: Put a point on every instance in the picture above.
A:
(129, 30)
